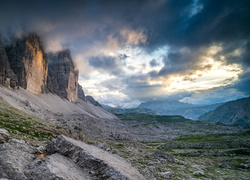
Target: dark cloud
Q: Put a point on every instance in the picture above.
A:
(188, 27)
(214, 95)
(144, 92)
(184, 62)
(106, 64)
(246, 55)
(122, 56)
(178, 23)
(218, 22)
(153, 63)
(244, 84)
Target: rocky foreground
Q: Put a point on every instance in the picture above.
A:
(162, 149)
(64, 158)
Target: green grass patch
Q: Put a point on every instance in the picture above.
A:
(118, 146)
(29, 128)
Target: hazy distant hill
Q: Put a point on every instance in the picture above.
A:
(195, 112)
(165, 107)
(175, 107)
(130, 110)
(233, 112)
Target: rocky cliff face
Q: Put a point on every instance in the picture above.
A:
(7, 77)
(233, 112)
(24, 63)
(81, 94)
(92, 101)
(63, 77)
(29, 62)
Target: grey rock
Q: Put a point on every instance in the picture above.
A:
(180, 162)
(245, 166)
(65, 159)
(4, 136)
(40, 150)
(166, 175)
(29, 62)
(198, 173)
(57, 167)
(101, 146)
(63, 77)
(7, 76)
(92, 101)
(14, 157)
(164, 156)
(100, 163)
(81, 94)
(225, 166)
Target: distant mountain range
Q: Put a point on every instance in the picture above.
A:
(129, 110)
(232, 112)
(175, 107)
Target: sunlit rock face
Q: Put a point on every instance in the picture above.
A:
(7, 77)
(63, 76)
(29, 62)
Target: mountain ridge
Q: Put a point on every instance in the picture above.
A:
(175, 107)
(130, 110)
(232, 112)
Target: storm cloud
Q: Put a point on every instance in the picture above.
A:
(152, 48)
(107, 64)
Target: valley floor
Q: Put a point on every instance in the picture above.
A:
(158, 149)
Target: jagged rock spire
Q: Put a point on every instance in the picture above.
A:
(63, 76)
(29, 62)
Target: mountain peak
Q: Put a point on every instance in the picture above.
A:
(63, 76)
(29, 62)
(232, 112)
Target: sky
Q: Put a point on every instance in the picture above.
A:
(132, 51)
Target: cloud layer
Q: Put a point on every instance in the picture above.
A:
(134, 51)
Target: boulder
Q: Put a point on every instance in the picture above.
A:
(4, 136)
(99, 163)
(164, 156)
(53, 167)
(14, 157)
(101, 145)
(64, 158)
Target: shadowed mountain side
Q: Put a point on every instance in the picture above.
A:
(81, 94)
(131, 110)
(79, 116)
(232, 112)
(91, 100)
(62, 75)
(7, 76)
(29, 62)
(195, 112)
(174, 107)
